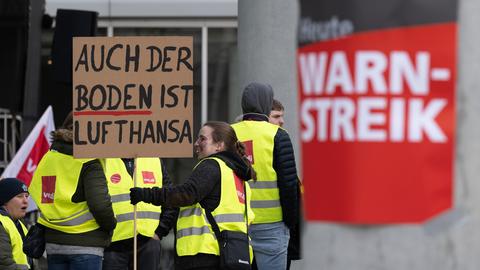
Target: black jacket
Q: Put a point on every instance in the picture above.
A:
(202, 186)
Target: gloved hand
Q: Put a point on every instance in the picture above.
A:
(140, 195)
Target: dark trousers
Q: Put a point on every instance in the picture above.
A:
(148, 257)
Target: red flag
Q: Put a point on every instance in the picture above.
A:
(32, 150)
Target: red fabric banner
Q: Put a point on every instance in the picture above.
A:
(377, 112)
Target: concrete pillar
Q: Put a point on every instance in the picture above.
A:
(267, 45)
(267, 51)
(33, 65)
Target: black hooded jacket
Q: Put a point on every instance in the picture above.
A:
(202, 186)
(256, 105)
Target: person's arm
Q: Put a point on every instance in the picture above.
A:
(168, 217)
(203, 186)
(284, 165)
(6, 256)
(96, 195)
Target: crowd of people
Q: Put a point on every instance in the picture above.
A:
(245, 181)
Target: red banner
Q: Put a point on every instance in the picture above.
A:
(25, 161)
(377, 113)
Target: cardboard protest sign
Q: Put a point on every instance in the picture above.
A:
(133, 96)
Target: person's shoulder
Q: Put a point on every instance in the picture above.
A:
(282, 133)
(207, 166)
(208, 162)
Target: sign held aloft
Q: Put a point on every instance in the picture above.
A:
(133, 96)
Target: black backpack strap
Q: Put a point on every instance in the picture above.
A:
(214, 224)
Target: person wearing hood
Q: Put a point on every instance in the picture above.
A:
(217, 184)
(275, 193)
(74, 203)
(13, 206)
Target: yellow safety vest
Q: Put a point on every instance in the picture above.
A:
(16, 240)
(194, 232)
(258, 137)
(53, 185)
(149, 174)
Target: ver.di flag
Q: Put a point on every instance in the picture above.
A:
(37, 143)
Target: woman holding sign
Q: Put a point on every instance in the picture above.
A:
(216, 188)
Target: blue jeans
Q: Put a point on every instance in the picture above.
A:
(74, 262)
(270, 245)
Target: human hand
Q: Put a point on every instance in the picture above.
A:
(136, 195)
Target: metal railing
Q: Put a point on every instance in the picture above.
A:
(10, 125)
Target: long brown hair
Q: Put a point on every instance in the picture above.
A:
(223, 132)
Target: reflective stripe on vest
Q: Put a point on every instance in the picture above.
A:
(218, 218)
(53, 185)
(140, 215)
(148, 174)
(265, 193)
(71, 221)
(16, 241)
(194, 233)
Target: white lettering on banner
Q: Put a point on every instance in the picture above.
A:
(339, 75)
(379, 116)
(31, 166)
(369, 125)
(420, 119)
(369, 66)
(401, 66)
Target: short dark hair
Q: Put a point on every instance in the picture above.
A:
(277, 105)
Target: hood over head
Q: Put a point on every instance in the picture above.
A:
(257, 98)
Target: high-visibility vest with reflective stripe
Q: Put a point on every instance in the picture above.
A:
(16, 241)
(194, 232)
(258, 137)
(53, 185)
(149, 174)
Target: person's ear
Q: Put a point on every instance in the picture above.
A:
(220, 146)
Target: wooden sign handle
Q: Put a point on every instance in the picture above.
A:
(135, 217)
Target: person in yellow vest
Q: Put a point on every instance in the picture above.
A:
(74, 204)
(275, 193)
(217, 185)
(276, 117)
(13, 207)
(153, 222)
